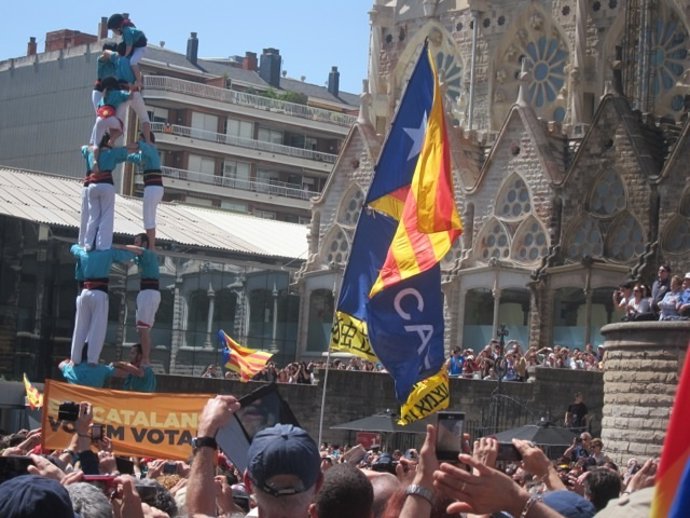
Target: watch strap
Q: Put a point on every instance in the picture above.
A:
(204, 442)
(417, 490)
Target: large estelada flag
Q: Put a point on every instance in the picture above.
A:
(243, 360)
(672, 489)
(390, 303)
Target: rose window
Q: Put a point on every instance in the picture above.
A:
(586, 241)
(608, 196)
(350, 210)
(337, 250)
(677, 236)
(625, 239)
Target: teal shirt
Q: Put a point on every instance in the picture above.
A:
(114, 98)
(109, 158)
(106, 67)
(130, 35)
(148, 265)
(147, 157)
(96, 263)
(88, 375)
(147, 383)
(123, 69)
(87, 153)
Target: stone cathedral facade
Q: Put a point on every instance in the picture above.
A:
(570, 145)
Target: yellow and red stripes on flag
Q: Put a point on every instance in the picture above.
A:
(392, 203)
(33, 396)
(675, 454)
(430, 222)
(243, 360)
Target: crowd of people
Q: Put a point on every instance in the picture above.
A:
(668, 299)
(462, 363)
(296, 372)
(288, 475)
(513, 363)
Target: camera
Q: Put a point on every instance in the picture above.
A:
(385, 464)
(68, 411)
(170, 468)
(508, 452)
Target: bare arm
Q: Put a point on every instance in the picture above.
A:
(417, 506)
(486, 491)
(128, 368)
(201, 489)
(536, 462)
(130, 248)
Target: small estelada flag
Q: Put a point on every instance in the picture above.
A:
(33, 397)
(243, 360)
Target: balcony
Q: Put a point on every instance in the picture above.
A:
(250, 190)
(255, 149)
(223, 95)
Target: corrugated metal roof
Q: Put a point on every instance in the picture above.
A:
(56, 200)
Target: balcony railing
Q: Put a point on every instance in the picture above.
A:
(259, 102)
(274, 187)
(231, 140)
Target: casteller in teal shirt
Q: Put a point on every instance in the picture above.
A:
(145, 383)
(86, 374)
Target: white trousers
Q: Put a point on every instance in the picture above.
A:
(99, 227)
(90, 324)
(96, 96)
(84, 216)
(147, 306)
(136, 101)
(153, 194)
(102, 125)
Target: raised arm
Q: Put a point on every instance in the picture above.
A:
(201, 490)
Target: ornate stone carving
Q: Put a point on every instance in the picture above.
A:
(435, 37)
(501, 76)
(536, 21)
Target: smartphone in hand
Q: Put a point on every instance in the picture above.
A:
(449, 435)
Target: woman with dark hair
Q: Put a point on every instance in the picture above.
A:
(639, 306)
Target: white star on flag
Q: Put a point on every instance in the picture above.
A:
(417, 136)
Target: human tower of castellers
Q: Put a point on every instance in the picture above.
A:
(117, 87)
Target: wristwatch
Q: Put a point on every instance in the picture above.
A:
(204, 442)
(417, 490)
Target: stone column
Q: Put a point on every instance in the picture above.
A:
(642, 365)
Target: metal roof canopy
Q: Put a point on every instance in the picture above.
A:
(56, 200)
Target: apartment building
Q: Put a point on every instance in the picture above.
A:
(234, 133)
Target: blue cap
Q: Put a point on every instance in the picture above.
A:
(29, 496)
(283, 449)
(569, 504)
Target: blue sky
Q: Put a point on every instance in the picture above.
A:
(312, 35)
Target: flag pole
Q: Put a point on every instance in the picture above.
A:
(325, 377)
(323, 393)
